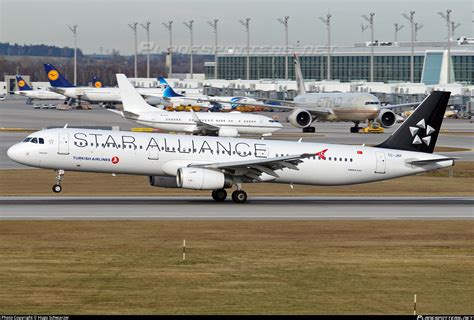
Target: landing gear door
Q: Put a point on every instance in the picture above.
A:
(153, 153)
(63, 143)
(380, 166)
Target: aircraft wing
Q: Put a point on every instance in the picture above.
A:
(252, 104)
(202, 126)
(254, 168)
(401, 107)
(57, 90)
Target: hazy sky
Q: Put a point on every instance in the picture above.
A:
(103, 23)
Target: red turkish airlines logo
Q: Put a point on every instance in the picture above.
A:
(321, 154)
(115, 160)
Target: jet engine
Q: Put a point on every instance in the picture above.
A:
(300, 118)
(163, 181)
(228, 132)
(387, 118)
(155, 101)
(202, 179)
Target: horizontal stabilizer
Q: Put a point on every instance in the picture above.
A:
(428, 161)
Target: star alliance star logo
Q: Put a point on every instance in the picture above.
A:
(428, 131)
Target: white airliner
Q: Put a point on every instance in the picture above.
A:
(333, 106)
(27, 91)
(108, 95)
(222, 124)
(215, 163)
(215, 103)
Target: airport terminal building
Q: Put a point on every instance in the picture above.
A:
(391, 62)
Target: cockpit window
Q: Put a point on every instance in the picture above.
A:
(372, 102)
(34, 140)
(272, 121)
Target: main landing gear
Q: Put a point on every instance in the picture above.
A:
(238, 196)
(309, 129)
(59, 177)
(355, 128)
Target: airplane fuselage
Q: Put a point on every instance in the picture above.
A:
(341, 106)
(154, 154)
(183, 121)
(109, 94)
(40, 95)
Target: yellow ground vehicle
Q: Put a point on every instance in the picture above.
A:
(373, 127)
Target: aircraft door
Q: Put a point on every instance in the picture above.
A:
(154, 153)
(63, 143)
(380, 166)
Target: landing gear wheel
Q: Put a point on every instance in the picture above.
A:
(239, 196)
(355, 128)
(309, 130)
(59, 177)
(219, 195)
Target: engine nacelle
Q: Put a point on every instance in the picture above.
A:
(300, 118)
(387, 118)
(163, 181)
(154, 101)
(202, 179)
(228, 132)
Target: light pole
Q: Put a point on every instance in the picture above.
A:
(397, 28)
(412, 57)
(362, 29)
(418, 26)
(284, 22)
(454, 26)
(371, 24)
(213, 25)
(74, 32)
(246, 25)
(447, 17)
(146, 26)
(169, 26)
(327, 22)
(189, 25)
(133, 26)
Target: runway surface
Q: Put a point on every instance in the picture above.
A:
(257, 208)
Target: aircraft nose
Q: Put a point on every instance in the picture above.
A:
(15, 152)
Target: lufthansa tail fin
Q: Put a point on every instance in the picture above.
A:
(420, 130)
(299, 76)
(132, 101)
(56, 79)
(96, 82)
(22, 85)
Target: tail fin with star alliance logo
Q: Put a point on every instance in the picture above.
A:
(420, 130)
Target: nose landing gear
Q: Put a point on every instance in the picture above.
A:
(59, 177)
